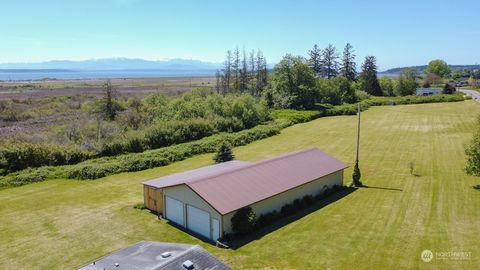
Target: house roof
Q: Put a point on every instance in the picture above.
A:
(148, 256)
(243, 184)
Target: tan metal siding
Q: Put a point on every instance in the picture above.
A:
(276, 202)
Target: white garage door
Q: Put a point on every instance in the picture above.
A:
(198, 221)
(174, 209)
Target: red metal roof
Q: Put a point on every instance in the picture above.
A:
(242, 184)
(195, 175)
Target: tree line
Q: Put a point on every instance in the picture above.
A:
(242, 74)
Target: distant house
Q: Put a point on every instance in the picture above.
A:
(428, 91)
(158, 256)
(204, 200)
(462, 81)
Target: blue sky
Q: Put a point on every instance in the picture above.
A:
(399, 33)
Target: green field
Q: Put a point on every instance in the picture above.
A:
(61, 224)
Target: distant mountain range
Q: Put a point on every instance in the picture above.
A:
(421, 69)
(115, 64)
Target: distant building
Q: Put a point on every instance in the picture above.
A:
(204, 200)
(462, 81)
(428, 91)
(158, 256)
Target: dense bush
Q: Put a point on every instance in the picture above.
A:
(169, 133)
(268, 218)
(101, 167)
(380, 101)
(292, 208)
(335, 91)
(287, 210)
(140, 206)
(294, 84)
(473, 155)
(17, 155)
(242, 111)
(344, 109)
(224, 153)
(30, 175)
(192, 116)
(244, 221)
(295, 116)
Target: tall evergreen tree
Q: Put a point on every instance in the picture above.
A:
(369, 76)
(244, 74)
(227, 72)
(224, 153)
(236, 69)
(218, 81)
(329, 62)
(348, 66)
(252, 85)
(315, 59)
(110, 108)
(356, 175)
(262, 72)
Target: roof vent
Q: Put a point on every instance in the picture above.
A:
(166, 254)
(188, 264)
(117, 264)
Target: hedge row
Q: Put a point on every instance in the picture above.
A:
(160, 135)
(351, 109)
(403, 100)
(295, 116)
(98, 168)
(101, 167)
(17, 155)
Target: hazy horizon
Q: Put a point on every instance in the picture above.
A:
(407, 33)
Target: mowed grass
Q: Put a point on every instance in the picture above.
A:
(62, 224)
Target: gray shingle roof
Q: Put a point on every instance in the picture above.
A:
(148, 256)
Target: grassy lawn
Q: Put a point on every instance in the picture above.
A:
(61, 224)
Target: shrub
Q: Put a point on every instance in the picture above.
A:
(244, 221)
(169, 133)
(297, 203)
(28, 176)
(308, 200)
(112, 148)
(287, 210)
(402, 100)
(224, 153)
(448, 89)
(268, 218)
(326, 191)
(100, 167)
(356, 175)
(295, 116)
(17, 155)
(473, 155)
(140, 206)
(134, 144)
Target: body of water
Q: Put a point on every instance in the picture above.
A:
(27, 75)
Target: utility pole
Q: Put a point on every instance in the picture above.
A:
(358, 131)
